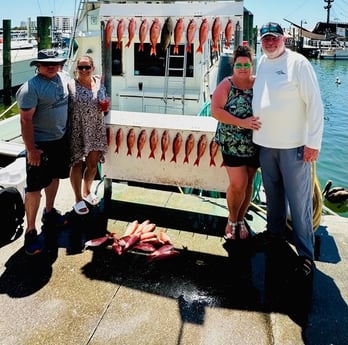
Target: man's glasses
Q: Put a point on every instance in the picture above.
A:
(239, 65)
(47, 64)
(271, 28)
(86, 67)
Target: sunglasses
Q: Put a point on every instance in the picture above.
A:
(270, 28)
(239, 65)
(86, 67)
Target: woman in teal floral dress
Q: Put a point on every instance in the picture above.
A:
(231, 106)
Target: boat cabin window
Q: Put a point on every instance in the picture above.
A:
(146, 64)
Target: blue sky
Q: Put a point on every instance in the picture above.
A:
(310, 11)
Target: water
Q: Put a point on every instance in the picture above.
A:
(333, 160)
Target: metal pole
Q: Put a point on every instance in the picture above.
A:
(6, 57)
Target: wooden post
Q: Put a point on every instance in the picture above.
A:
(6, 56)
(44, 33)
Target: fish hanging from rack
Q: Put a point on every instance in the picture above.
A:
(130, 141)
(164, 144)
(213, 149)
(203, 34)
(176, 146)
(118, 140)
(141, 142)
(155, 30)
(190, 34)
(228, 33)
(120, 30)
(108, 135)
(153, 142)
(131, 31)
(189, 145)
(142, 34)
(215, 34)
(178, 31)
(109, 28)
(201, 147)
(166, 33)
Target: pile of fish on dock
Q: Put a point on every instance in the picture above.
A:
(166, 32)
(139, 237)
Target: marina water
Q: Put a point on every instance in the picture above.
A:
(333, 159)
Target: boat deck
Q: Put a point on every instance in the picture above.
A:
(212, 293)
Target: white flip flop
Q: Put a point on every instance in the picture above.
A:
(81, 208)
(92, 199)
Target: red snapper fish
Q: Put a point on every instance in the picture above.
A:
(118, 139)
(142, 34)
(164, 144)
(131, 31)
(176, 146)
(215, 33)
(213, 149)
(108, 135)
(228, 33)
(178, 31)
(141, 142)
(153, 142)
(155, 30)
(166, 33)
(130, 141)
(120, 30)
(190, 143)
(203, 35)
(202, 145)
(109, 28)
(190, 34)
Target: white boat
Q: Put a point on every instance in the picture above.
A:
(334, 52)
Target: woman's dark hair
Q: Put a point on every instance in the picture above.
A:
(243, 51)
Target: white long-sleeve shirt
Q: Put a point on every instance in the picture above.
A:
(287, 99)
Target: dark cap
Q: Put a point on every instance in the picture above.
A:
(48, 55)
(273, 29)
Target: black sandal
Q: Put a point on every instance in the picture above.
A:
(305, 266)
(231, 235)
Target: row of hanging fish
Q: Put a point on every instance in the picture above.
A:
(154, 140)
(166, 31)
(138, 237)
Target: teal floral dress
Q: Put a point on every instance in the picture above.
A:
(234, 140)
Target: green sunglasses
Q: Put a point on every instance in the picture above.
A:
(246, 65)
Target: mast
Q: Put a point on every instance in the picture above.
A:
(329, 2)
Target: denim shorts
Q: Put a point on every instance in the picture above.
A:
(54, 164)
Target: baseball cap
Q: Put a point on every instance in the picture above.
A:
(48, 55)
(273, 29)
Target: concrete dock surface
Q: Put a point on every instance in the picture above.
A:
(212, 293)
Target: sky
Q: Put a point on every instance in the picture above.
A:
(310, 11)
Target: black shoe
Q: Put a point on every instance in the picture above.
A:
(32, 245)
(53, 218)
(305, 267)
(264, 240)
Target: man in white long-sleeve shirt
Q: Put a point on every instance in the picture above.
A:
(288, 102)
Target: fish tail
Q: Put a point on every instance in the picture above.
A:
(173, 159)
(212, 162)
(128, 44)
(139, 154)
(152, 154)
(141, 47)
(199, 49)
(188, 48)
(196, 162)
(163, 157)
(153, 51)
(186, 160)
(176, 50)
(129, 152)
(116, 149)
